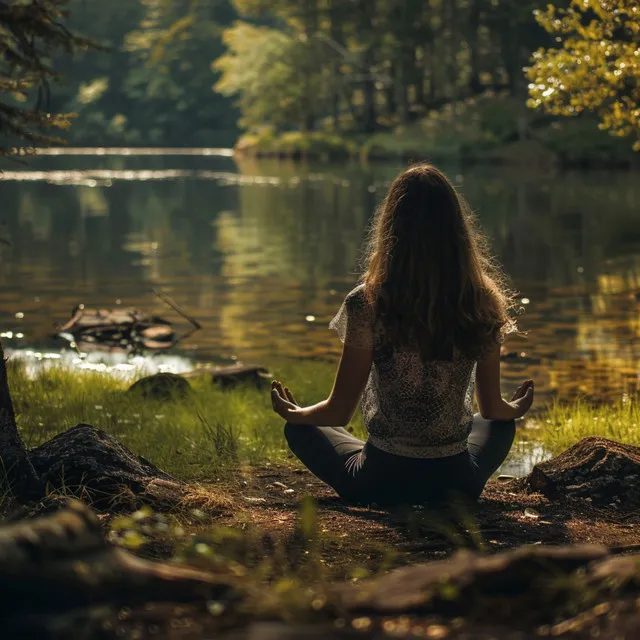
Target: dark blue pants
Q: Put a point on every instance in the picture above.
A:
(362, 473)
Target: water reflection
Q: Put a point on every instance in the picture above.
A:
(262, 254)
(117, 364)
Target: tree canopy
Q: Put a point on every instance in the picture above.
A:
(31, 33)
(364, 63)
(597, 66)
(343, 66)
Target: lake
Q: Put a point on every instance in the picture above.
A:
(262, 253)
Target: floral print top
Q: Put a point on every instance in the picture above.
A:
(411, 408)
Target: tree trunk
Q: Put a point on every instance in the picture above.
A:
(604, 471)
(94, 465)
(62, 562)
(335, 33)
(453, 71)
(19, 476)
(475, 85)
(368, 62)
(390, 93)
(369, 92)
(83, 460)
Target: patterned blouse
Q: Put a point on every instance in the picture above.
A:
(410, 407)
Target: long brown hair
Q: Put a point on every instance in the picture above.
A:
(428, 272)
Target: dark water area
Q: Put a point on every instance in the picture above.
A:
(262, 254)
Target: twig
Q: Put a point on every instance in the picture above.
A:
(174, 305)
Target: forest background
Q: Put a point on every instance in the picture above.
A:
(376, 77)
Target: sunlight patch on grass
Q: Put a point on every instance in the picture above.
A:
(564, 424)
(201, 437)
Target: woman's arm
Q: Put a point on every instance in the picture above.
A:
(490, 402)
(339, 407)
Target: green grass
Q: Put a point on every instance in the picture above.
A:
(563, 424)
(199, 438)
(214, 431)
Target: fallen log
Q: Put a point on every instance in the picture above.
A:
(59, 572)
(602, 471)
(456, 585)
(124, 330)
(63, 562)
(230, 376)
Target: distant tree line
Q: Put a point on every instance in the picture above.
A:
(154, 86)
(187, 72)
(361, 64)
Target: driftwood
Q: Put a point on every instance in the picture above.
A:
(123, 329)
(116, 330)
(61, 564)
(597, 469)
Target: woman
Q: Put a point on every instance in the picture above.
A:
(425, 324)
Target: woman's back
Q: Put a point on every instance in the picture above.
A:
(411, 407)
(426, 322)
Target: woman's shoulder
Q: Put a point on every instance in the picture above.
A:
(356, 294)
(357, 300)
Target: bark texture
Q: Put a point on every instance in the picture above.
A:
(19, 476)
(604, 471)
(63, 562)
(91, 463)
(59, 575)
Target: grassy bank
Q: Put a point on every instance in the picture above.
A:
(214, 431)
(487, 128)
(562, 425)
(196, 439)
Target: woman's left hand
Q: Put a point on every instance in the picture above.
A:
(283, 402)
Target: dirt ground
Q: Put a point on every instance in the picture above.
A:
(269, 499)
(351, 543)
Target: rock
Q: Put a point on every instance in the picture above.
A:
(595, 468)
(162, 386)
(228, 377)
(90, 462)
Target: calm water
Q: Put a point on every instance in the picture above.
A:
(262, 254)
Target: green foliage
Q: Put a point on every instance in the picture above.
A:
(271, 70)
(153, 85)
(315, 144)
(579, 141)
(361, 66)
(597, 67)
(170, 81)
(465, 127)
(562, 424)
(30, 33)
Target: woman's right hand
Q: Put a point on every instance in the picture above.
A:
(522, 398)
